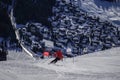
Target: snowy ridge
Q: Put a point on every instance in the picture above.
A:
(27, 51)
(105, 10)
(16, 31)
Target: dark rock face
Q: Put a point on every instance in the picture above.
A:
(5, 24)
(33, 10)
(3, 19)
(6, 28)
(6, 1)
(71, 27)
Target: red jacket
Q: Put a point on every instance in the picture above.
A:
(58, 54)
(46, 54)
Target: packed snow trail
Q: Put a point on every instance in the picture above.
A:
(103, 65)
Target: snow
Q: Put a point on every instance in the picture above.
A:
(104, 9)
(48, 43)
(103, 65)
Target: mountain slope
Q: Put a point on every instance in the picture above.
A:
(102, 65)
(72, 27)
(106, 10)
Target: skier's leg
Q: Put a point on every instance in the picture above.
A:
(56, 60)
(53, 61)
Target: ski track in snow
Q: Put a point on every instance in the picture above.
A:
(103, 65)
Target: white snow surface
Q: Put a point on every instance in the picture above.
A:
(103, 65)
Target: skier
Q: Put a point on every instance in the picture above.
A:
(59, 56)
(45, 54)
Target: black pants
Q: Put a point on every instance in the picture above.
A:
(55, 60)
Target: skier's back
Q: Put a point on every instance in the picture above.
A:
(59, 56)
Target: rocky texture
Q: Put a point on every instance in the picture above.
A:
(73, 27)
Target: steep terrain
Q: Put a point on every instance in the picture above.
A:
(72, 27)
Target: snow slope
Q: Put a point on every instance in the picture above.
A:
(104, 65)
